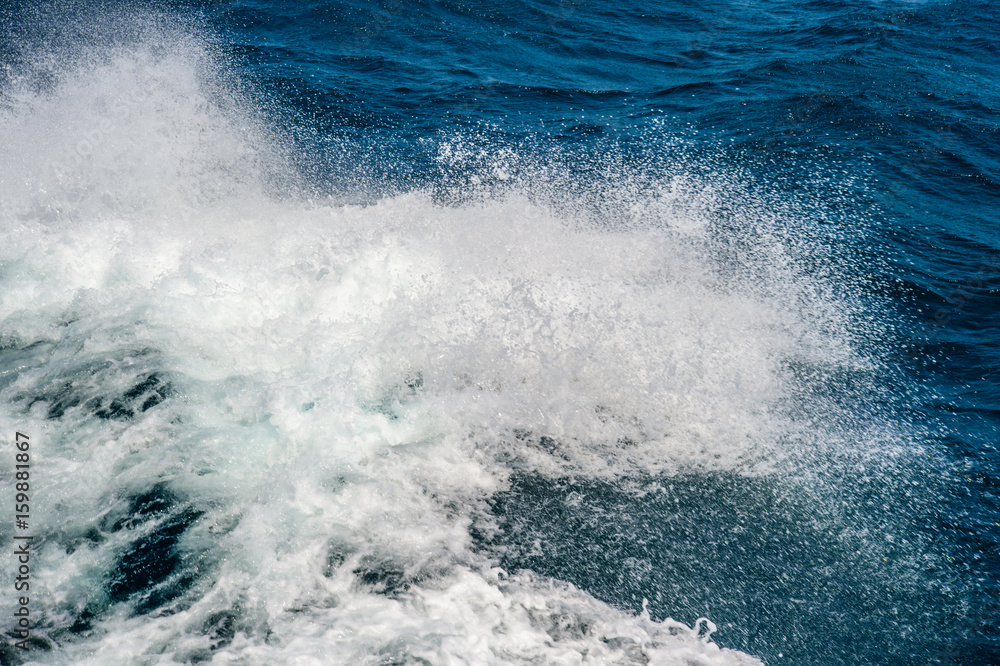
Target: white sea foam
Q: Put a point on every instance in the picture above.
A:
(333, 391)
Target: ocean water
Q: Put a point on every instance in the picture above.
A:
(545, 332)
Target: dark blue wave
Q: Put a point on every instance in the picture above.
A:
(890, 111)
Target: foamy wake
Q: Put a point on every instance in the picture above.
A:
(302, 407)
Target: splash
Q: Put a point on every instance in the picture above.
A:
(270, 423)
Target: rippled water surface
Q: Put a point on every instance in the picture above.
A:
(547, 332)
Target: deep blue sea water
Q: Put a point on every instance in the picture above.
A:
(524, 332)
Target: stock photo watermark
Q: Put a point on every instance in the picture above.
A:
(23, 540)
(86, 144)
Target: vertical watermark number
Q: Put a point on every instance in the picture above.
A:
(22, 540)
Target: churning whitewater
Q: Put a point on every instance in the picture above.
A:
(273, 426)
